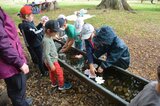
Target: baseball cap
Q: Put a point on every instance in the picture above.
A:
(87, 30)
(26, 10)
(52, 25)
(61, 21)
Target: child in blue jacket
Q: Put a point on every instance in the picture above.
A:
(104, 41)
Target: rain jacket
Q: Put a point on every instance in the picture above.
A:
(11, 53)
(33, 35)
(107, 42)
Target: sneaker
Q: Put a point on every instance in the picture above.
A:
(29, 101)
(67, 85)
(54, 85)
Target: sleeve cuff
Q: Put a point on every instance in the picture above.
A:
(40, 25)
(20, 64)
(50, 64)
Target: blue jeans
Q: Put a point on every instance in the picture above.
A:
(16, 89)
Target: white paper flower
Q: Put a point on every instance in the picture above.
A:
(99, 80)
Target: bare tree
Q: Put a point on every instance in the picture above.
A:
(114, 4)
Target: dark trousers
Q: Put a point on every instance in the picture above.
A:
(16, 88)
(38, 51)
(33, 55)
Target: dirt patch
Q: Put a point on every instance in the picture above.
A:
(144, 56)
(144, 61)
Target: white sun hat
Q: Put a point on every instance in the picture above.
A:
(87, 30)
(61, 16)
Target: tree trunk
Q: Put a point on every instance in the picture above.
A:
(114, 4)
(52, 5)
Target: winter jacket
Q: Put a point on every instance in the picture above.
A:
(33, 35)
(50, 54)
(107, 42)
(11, 53)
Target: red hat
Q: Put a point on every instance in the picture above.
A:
(26, 10)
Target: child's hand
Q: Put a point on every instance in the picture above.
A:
(64, 46)
(43, 23)
(44, 19)
(62, 50)
(53, 68)
(92, 70)
(24, 68)
(78, 56)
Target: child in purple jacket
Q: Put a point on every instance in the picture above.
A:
(13, 65)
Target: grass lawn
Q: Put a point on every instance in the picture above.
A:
(141, 31)
(143, 23)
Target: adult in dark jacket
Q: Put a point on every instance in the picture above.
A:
(13, 65)
(33, 37)
(104, 41)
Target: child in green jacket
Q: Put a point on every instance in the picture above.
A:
(50, 56)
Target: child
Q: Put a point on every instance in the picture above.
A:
(62, 36)
(70, 31)
(104, 41)
(33, 36)
(78, 25)
(50, 56)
